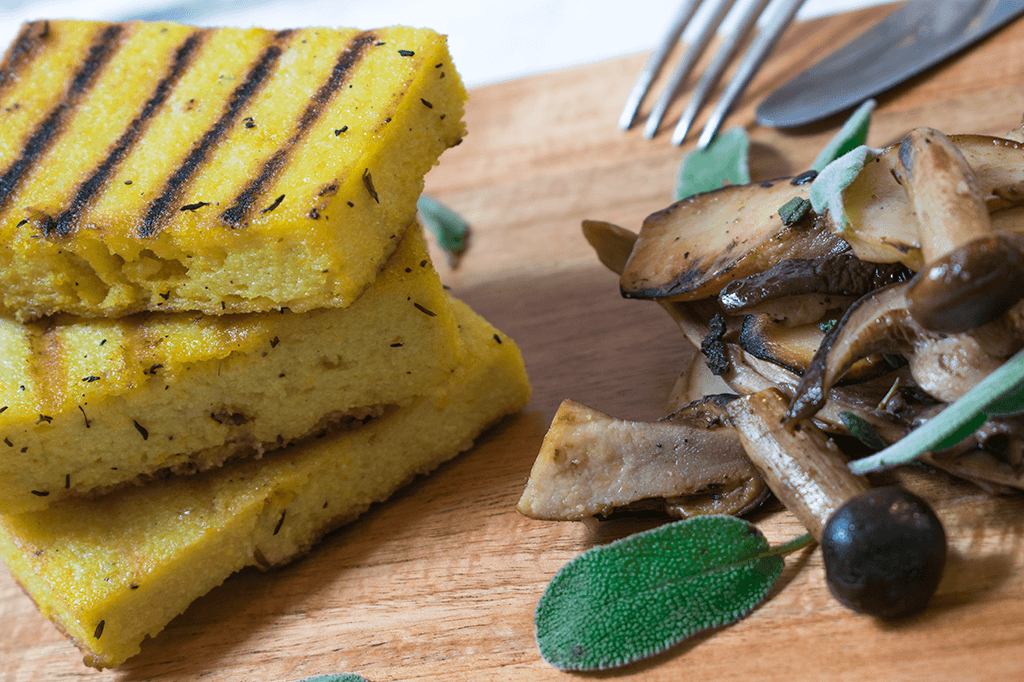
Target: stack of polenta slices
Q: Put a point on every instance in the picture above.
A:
(210, 260)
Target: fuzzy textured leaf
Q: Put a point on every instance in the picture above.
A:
(343, 677)
(638, 596)
(1001, 393)
(827, 190)
(724, 161)
(854, 133)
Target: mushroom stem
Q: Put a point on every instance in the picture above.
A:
(803, 468)
(972, 272)
(942, 189)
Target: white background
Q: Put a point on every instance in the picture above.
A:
(490, 40)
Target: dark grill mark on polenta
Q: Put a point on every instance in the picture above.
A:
(21, 51)
(256, 77)
(47, 131)
(89, 189)
(349, 58)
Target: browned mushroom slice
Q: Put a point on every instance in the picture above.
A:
(842, 276)
(612, 243)
(795, 347)
(875, 324)
(945, 366)
(591, 463)
(696, 246)
(882, 225)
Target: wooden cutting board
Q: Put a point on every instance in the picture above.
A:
(441, 582)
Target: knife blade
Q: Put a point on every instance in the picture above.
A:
(910, 39)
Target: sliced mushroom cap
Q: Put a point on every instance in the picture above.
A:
(693, 248)
(841, 275)
(795, 347)
(944, 366)
(612, 243)
(591, 463)
(883, 227)
(875, 324)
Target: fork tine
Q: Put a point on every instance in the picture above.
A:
(704, 32)
(655, 62)
(780, 16)
(717, 66)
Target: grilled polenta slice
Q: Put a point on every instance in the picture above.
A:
(88, 404)
(162, 167)
(111, 571)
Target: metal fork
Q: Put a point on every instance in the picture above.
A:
(779, 15)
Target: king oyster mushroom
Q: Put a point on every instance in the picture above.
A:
(882, 226)
(592, 464)
(801, 290)
(692, 249)
(972, 273)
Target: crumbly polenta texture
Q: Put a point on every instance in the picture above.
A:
(90, 404)
(113, 570)
(156, 166)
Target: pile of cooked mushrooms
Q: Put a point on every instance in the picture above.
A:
(808, 323)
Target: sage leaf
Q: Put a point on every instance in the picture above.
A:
(826, 193)
(794, 210)
(1001, 393)
(640, 595)
(447, 226)
(724, 161)
(852, 134)
(344, 677)
(862, 431)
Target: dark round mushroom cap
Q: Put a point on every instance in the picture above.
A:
(884, 553)
(971, 285)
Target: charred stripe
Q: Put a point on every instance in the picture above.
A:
(24, 46)
(347, 60)
(88, 190)
(99, 54)
(239, 98)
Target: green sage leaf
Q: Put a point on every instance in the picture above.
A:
(1001, 393)
(344, 677)
(640, 595)
(794, 210)
(862, 431)
(725, 160)
(448, 227)
(826, 193)
(854, 133)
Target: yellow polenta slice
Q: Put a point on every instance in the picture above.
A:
(113, 570)
(156, 166)
(87, 404)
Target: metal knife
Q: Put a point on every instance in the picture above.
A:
(912, 38)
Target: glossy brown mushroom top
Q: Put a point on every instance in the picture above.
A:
(973, 274)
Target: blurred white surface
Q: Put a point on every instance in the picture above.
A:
(490, 40)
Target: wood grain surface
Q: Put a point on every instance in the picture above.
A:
(441, 582)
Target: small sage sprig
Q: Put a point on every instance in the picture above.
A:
(724, 161)
(447, 226)
(343, 677)
(640, 595)
(853, 134)
(826, 193)
(862, 431)
(999, 394)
